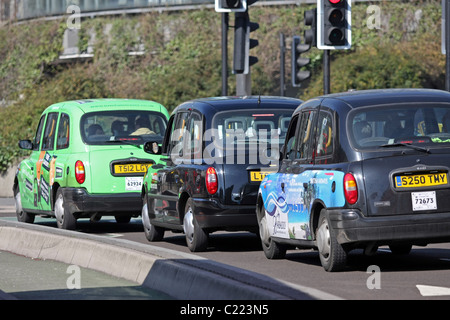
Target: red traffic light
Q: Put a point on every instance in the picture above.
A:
(335, 1)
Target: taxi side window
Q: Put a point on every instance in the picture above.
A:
(195, 136)
(291, 142)
(62, 141)
(324, 138)
(305, 134)
(48, 141)
(176, 137)
(37, 137)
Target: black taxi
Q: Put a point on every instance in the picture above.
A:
(360, 169)
(215, 153)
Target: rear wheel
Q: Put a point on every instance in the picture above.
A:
(333, 257)
(196, 237)
(64, 219)
(22, 216)
(152, 233)
(272, 250)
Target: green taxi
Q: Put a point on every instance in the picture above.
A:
(88, 160)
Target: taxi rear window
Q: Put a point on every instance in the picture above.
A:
(101, 128)
(250, 126)
(400, 124)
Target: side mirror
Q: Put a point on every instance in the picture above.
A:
(152, 147)
(26, 144)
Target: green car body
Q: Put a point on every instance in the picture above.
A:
(78, 170)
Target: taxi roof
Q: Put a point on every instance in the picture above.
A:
(90, 105)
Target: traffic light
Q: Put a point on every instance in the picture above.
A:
(334, 24)
(310, 35)
(297, 62)
(242, 43)
(230, 5)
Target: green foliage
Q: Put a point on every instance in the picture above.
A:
(182, 59)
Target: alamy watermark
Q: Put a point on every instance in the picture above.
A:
(374, 280)
(74, 20)
(374, 19)
(74, 280)
(230, 146)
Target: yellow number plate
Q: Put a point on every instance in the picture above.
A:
(421, 180)
(258, 175)
(131, 168)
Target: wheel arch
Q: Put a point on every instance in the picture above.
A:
(259, 205)
(316, 208)
(15, 185)
(184, 196)
(55, 188)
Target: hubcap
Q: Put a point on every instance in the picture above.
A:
(188, 225)
(59, 209)
(145, 218)
(263, 232)
(18, 202)
(324, 240)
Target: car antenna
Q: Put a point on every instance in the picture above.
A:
(259, 98)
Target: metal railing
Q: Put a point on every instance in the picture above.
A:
(31, 9)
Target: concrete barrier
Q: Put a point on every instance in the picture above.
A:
(7, 181)
(180, 275)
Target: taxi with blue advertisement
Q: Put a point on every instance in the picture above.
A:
(360, 169)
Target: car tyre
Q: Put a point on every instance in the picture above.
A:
(64, 219)
(22, 216)
(272, 250)
(152, 233)
(196, 237)
(332, 255)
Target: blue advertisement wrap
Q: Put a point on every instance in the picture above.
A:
(288, 199)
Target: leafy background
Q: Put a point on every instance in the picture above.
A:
(182, 59)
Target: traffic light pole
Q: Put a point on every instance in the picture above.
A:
(282, 63)
(447, 45)
(243, 84)
(225, 20)
(326, 71)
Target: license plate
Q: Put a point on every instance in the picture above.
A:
(258, 175)
(423, 200)
(421, 180)
(130, 168)
(133, 183)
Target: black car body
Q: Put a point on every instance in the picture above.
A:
(363, 169)
(215, 153)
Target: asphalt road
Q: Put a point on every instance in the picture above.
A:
(421, 275)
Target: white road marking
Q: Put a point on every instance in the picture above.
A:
(111, 235)
(430, 291)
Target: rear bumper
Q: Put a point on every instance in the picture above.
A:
(211, 214)
(351, 227)
(79, 201)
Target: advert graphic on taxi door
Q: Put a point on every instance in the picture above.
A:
(288, 199)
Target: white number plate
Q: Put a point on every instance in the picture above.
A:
(424, 200)
(133, 183)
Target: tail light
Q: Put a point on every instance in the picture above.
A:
(350, 189)
(79, 172)
(211, 180)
